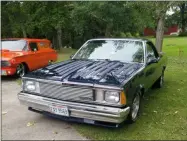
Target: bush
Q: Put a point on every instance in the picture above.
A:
(122, 35)
(183, 34)
(136, 35)
(128, 34)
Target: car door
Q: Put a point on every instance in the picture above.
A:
(50, 54)
(44, 53)
(36, 57)
(151, 68)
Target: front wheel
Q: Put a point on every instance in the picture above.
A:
(134, 108)
(20, 70)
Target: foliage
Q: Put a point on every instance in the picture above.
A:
(183, 34)
(72, 22)
(68, 23)
(179, 17)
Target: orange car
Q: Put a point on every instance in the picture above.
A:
(22, 55)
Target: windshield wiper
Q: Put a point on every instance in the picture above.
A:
(79, 59)
(103, 59)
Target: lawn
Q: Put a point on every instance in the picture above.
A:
(164, 111)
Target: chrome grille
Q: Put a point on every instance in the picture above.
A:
(4, 63)
(66, 92)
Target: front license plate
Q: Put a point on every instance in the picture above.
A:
(59, 110)
(89, 121)
(3, 72)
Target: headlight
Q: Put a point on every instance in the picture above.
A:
(112, 96)
(31, 86)
(5, 63)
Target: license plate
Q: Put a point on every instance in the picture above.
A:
(3, 72)
(59, 110)
(89, 121)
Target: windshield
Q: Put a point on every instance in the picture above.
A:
(121, 50)
(14, 45)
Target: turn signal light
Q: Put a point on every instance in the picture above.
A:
(122, 98)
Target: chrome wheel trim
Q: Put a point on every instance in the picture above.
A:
(161, 80)
(20, 70)
(135, 106)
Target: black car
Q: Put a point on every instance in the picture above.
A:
(101, 84)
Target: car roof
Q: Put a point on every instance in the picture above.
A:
(27, 39)
(131, 39)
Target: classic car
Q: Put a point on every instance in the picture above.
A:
(101, 84)
(21, 55)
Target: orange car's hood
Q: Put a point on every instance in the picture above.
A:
(8, 55)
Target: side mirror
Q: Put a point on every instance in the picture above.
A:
(151, 60)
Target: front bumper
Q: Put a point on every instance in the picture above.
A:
(8, 71)
(77, 110)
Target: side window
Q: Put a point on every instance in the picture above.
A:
(26, 48)
(43, 45)
(154, 49)
(33, 46)
(151, 51)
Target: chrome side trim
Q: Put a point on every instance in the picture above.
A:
(128, 39)
(80, 110)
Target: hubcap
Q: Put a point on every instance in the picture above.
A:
(161, 80)
(20, 70)
(135, 106)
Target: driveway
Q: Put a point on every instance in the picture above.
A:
(20, 124)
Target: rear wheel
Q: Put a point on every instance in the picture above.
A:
(50, 62)
(135, 108)
(20, 70)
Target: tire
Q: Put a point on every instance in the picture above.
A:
(21, 70)
(135, 108)
(159, 83)
(50, 62)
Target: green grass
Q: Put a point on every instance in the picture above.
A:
(164, 111)
(65, 53)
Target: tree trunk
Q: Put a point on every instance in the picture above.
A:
(182, 8)
(24, 32)
(53, 42)
(160, 33)
(59, 37)
(108, 29)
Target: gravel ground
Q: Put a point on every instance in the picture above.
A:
(20, 124)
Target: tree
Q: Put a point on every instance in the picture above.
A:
(72, 23)
(158, 11)
(17, 17)
(5, 21)
(160, 14)
(183, 11)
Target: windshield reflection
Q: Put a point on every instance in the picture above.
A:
(13, 45)
(120, 50)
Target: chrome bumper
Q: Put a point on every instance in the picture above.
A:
(79, 110)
